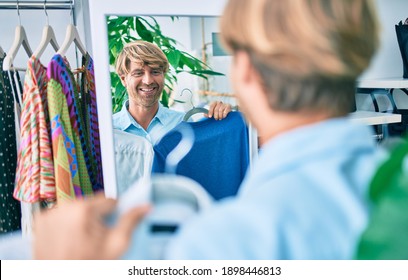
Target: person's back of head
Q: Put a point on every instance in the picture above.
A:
(308, 53)
(141, 52)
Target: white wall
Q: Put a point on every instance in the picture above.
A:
(218, 63)
(387, 63)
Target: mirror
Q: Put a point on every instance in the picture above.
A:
(198, 64)
(99, 12)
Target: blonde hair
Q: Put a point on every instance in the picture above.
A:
(307, 52)
(141, 52)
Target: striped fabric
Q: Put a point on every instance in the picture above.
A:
(71, 172)
(35, 169)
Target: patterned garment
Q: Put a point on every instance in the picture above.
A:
(35, 168)
(92, 112)
(89, 122)
(71, 172)
(10, 211)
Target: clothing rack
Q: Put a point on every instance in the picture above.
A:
(37, 5)
(41, 5)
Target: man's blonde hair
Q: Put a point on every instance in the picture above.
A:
(308, 52)
(140, 52)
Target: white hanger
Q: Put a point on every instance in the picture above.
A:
(194, 110)
(48, 37)
(71, 36)
(182, 148)
(20, 39)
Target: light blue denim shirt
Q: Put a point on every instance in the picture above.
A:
(305, 198)
(164, 121)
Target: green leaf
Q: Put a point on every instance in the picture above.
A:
(187, 62)
(142, 31)
(119, 95)
(207, 72)
(179, 101)
(174, 57)
(199, 64)
(165, 99)
(154, 26)
(197, 74)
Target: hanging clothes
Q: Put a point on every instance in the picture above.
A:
(10, 212)
(35, 168)
(69, 152)
(91, 124)
(17, 90)
(219, 157)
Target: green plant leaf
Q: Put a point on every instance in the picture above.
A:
(174, 57)
(118, 97)
(207, 72)
(187, 62)
(155, 26)
(165, 99)
(179, 101)
(142, 31)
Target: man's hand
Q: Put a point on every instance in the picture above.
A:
(77, 230)
(218, 110)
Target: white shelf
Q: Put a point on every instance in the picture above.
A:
(383, 83)
(374, 118)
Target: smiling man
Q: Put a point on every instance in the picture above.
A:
(142, 67)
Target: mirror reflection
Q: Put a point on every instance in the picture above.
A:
(166, 71)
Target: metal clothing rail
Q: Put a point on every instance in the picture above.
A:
(37, 5)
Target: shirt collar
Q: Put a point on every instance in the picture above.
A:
(125, 119)
(162, 115)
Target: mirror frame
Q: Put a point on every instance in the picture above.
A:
(98, 11)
